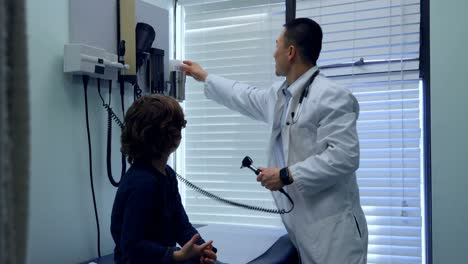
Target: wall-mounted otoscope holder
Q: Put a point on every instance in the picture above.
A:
(177, 78)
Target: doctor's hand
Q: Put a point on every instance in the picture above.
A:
(194, 69)
(270, 178)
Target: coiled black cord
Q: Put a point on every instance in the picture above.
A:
(229, 202)
(85, 86)
(111, 113)
(136, 91)
(211, 195)
(111, 116)
(122, 93)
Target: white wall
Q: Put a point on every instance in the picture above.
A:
(449, 117)
(61, 217)
(166, 4)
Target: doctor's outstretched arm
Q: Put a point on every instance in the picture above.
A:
(243, 98)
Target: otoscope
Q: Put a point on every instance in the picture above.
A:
(247, 162)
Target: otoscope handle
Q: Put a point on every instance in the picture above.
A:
(254, 169)
(257, 171)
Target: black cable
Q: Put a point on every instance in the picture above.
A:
(85, 86)
(110, 91)
(109, 142)
(229, 202)
(99, 90)
(112, 116)
(211, 195)
(289, 198)
(136, 88)
(122, 92)
(122, 96)
(136, 91)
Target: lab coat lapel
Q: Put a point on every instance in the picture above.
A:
(285, 131)
(276, 129)
(295, 89)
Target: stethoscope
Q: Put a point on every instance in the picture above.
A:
(305, 91)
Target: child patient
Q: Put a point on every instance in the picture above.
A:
(147, 217)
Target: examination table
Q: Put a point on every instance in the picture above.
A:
(239, 244)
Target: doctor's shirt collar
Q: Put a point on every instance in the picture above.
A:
(296, 87)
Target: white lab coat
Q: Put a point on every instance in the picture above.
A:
(327, 225)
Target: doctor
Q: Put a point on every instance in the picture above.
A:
(314, 147)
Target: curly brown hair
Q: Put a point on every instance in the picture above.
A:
(152, 128)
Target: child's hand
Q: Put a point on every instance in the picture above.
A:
(209, 256)
(190, 249)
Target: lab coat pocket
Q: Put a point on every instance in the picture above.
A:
(307, 124)
(350, 228)
(304, 134)
(357, 226)
(338, 240)
(319, 236)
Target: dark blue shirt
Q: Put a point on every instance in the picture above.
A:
(148, 218)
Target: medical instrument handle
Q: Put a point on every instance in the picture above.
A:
(255, 170)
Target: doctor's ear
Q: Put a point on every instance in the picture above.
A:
(291, 51)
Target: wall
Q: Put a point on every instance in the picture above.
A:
(449, 93)
(61, 217)
(166, 4)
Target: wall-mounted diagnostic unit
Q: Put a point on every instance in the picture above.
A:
(95, 62)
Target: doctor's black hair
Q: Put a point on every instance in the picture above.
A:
(306, 35)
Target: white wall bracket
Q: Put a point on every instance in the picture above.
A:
(87, 60)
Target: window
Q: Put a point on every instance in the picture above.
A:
(234, 39)
(372, 48)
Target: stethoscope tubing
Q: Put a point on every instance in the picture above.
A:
(305, 91)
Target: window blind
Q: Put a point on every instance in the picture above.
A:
(386, 34)
(235, 39)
